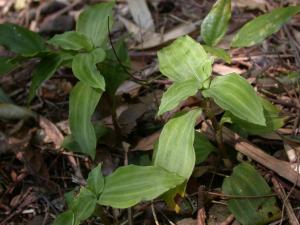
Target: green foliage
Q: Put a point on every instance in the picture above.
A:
(189, 65)
(215, 24)
(114, 73)
(246, 181)
(271, 114)
(84, 204)
(263, 26)
(202, 147)
(20, 40)
(218, 53)
(43, 71)
(233, 93)
(66, 218)
(185, 59)
(83, 101)
(176, 93)
(131, 184)
(71, 41)
(95, 181)
(175, 150)
(85, 69)
(10, 111)
(7, 64)
(93, 22)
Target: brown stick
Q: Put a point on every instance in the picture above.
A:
(285, 201)
(282, 168)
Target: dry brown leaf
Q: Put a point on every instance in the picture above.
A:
(51, 131)
(158, 39)
(146, 144)
(223, 69)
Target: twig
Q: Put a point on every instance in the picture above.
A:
(140, 81)
(154, 214)
(228, 220)
(286, 203)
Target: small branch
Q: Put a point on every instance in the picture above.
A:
(286, 203)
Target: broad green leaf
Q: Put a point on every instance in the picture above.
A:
(218, 53)
(84, 204)
(13, 112)
(70, 144)
(4, 98)
(202, 147)
(7, 64)
(85, 69)
(20, 40)
(43, 71)
(258, 29)
(176, 93)
(175, 151)
(71, 40)
(131, 184)
(82, 104)
(246, 181)
(66, 218)
(215, 24)
(70, 197)
(273, 120)
(98, 55)
(114, 73)
(95, 181)
(233, 93)
(93, 22)
(185, 59)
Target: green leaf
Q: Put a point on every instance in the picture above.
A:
(258, 29)
(66, 218)
(114, 73)
(7, 64)
(84, 204)
(83, 101)
(70, 198)
(71, 40)
(176, 93)
(93, 22)
(13, 112)
(70, 144)
(175, 151)
(95, 181)
(203, 147)
(218, 53)
(43, 71)
(185, 59)
(85, 69)
(131, 184)
(21, 40)
(233, 93)
(246, 181)
(215, 24)
(273, 120)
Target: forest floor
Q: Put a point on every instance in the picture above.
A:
(35, 172)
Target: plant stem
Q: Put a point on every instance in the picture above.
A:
(218, 135)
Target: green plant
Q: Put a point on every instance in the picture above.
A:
(189, 65)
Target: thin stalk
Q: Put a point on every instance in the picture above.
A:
(219, 136)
